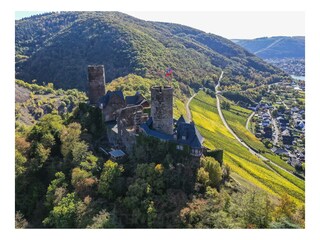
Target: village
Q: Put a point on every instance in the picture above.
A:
(279, 121)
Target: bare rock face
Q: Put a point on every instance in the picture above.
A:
(162, 109)
(96, 79)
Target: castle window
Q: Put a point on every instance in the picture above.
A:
(179, 147)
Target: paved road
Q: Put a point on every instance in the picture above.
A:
(218, 85)
(189, 116)
(276, 129)
(249, 119)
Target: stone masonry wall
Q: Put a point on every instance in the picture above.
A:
(96, 79)
(162, 109)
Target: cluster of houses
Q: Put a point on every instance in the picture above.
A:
(292, 66)
(285, 129)
(263, 119)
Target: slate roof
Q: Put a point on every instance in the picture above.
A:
(135, 100)
(145, 127)
(286, 133)
(192, 136)
(181, 120)
(104, 100)
(281, 151)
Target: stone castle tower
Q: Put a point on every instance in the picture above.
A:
(96, 83)
(162, 109)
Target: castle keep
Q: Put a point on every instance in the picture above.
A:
(125, 118)
(162, 109)
(96, 83)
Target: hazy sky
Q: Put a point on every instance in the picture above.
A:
(231, 25)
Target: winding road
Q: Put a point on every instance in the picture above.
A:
(248, 120)
(189, 116)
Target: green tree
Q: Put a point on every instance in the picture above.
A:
(286, 208)
(151, 214)
(254, 208)
(56, 190)
(20, 162)
(69, 136)
(225, 105)
(212, 167)
(203, 176)
(63, 215)
(109, 176)
(90, 164)
(153, 174)
(136, 202)
(103, 220)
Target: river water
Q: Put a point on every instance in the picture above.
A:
(301, 78)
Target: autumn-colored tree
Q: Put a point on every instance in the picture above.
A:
(83, 182)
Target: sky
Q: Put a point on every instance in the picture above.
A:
(232, 25)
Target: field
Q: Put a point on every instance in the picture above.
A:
(246, 167)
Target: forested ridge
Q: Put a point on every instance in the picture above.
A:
(57, 47)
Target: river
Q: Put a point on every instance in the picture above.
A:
(301, 78)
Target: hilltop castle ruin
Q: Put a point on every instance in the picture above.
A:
(126, 117)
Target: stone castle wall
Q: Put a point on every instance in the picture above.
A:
(96, 79)
(162, 109)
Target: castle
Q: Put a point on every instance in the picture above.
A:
(126, 117)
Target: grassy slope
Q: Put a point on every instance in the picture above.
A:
(246, 165)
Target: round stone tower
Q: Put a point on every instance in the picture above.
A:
(96, 83)
(162, 109)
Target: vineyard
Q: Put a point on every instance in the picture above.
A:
(247, 166)
(236, 117)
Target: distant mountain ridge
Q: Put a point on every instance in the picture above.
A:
(57, 47)
(275, 47)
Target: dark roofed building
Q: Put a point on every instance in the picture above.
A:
(267, 132)
(185, 134)
(110, 103)
(181, 120)
(188, 134)
(116, 154)
(147, 129)
(287, 137)
(137, 99)
(104, 100)
(281, 151)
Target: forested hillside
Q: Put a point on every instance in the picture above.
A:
(57, 47)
